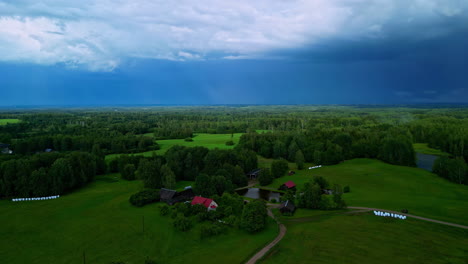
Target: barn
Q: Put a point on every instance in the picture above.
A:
(210, 204)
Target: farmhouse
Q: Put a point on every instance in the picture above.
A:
(289, 185)
(287, 207)
(254, 174)
(207, 202)
(172, 197)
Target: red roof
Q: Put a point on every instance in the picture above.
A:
(290, 184)
(203, 201)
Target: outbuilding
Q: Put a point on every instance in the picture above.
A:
(287, 207)
(289, 185)
(210, 204)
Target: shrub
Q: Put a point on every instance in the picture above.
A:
(189, 139)
(144, 197)
(346, 189)
(128, 172)
(230, 143)
(182, 223)
(150, 261)
(211, 229)
(273, 201)
(164, 210)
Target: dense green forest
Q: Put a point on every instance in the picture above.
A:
(55, 151)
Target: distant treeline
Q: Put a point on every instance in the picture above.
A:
(319, 134)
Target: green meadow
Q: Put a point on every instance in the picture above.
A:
(210, 141)
(425, 149)
(365, 238)
(8, 121)
(99, 221)
(380, 185)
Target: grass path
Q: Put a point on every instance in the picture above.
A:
(281, 234)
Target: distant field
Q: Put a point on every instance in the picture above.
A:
(8, 121)
(365, 238)
(380, 185)
(210, 141)
(425, 149)
(99, 221)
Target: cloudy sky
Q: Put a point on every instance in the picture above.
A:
(109, 52)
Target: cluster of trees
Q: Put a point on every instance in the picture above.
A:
(231, 212)
(278, 169)
(312, 195)
(48, 173)
(214, 171)
(325, 145)
(454, 170)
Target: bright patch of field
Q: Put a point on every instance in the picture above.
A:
(99, 221)
(8, 121)
(425, 149)
(365, 238)
(379, 185)
(210, 141)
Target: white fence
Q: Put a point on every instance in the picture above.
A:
(315, 167)
(35, 198)
(389, 215)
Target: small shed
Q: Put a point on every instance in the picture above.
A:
(290, 173)
(253, 174)
(289, 185)
(167, 195)
(287, 207)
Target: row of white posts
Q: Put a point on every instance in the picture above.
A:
(389, 214)
(315, 167)
(35, 198)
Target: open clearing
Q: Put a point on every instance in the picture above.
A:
(379, 185)
(99, 221)
(210, 141)
(365, 238)
(8, 121)
(425, 149)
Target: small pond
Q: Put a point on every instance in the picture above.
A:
(425, 161)
(257, 193)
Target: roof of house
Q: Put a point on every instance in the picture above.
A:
(289, 205)
(203, 201)
(167, 194)
(254, 172)
(290, 184)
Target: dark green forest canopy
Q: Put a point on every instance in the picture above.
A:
(319, 134)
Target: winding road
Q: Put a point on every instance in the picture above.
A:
(282, 227)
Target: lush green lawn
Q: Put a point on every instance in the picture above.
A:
(425, 149)
(365, 238)
(380, 185)
(99, 221)
(210, 141)
(8, 121)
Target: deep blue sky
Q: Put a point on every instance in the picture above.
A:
(327, 52)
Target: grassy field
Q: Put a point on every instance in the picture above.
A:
(99, 221)
(210, 141)
(425, 149)
(365, 238)
(8, 121)
(380, 185)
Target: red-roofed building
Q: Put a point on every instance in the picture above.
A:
(207, 202)
(289, 185)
